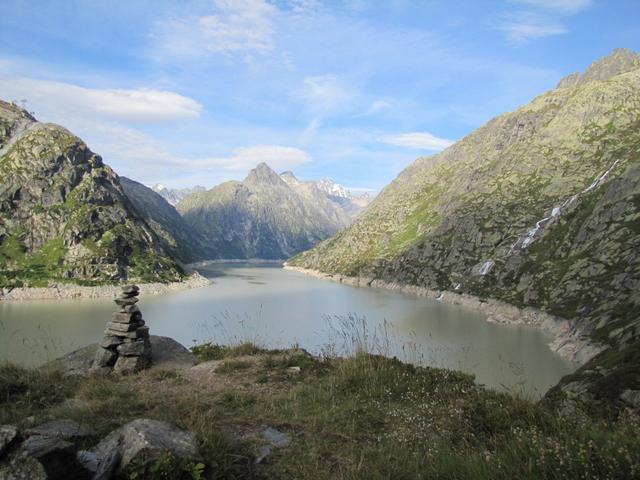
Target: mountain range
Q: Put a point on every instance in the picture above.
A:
(267, 215)
(174, 195)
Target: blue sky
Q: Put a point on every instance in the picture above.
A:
(200, 91)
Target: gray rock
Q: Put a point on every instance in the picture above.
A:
(631, 397)
(144, 437)
(57, 456)
(126, 301)
(105, 357)
(166, 353)
(120, 317)
(126, 365)
(132, 289)
(18, 467)
(121, 327)
(129, 309)
(275, 437)
(66, 429)
(8, 436)
(110, 341)
(137, 348)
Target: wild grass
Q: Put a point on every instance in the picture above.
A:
(364, 416)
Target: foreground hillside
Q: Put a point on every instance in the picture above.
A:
(265, 216)
(63, 214)
(284, 414)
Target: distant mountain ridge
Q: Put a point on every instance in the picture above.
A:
(175, 195)
(266, 215)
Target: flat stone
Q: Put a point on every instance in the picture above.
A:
(110, 341)
(126, 301)
(65, 428)
(105, 357)
(127, 365)
(631, 397)
(129, 309)
(275, 437)
(141, 347)
(8, 436)
(121, 327)
(145, 438)
(130, 289)
(120, 317)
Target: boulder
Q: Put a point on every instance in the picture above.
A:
(65, 429)
(144, 439)
(166, 353)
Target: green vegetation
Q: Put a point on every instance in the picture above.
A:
(365, 417)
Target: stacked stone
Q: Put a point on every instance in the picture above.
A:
(125, 347)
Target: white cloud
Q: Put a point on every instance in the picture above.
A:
(563, 6)
(65, 99)
(420, 141)
(238, 26)
(325, 94)
(377, 106)
(524, 27)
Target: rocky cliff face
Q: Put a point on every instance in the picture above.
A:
(540, 207)
(177, 237)
(63, 213)
(263, 216)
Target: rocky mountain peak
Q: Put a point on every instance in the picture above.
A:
(330, 187)
(263, 174)
(621, 60)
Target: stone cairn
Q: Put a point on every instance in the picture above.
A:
(125, 347)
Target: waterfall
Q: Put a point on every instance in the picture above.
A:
(528, 238)
(486, 267)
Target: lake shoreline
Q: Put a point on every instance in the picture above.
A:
(71, 292)
(567, 341)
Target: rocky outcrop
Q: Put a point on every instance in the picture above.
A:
(166, 354)
(63, 214)
(538, 208)
(177, 237)
(262, 217)
(142, 448)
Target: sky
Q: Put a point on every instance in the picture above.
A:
(190, 92)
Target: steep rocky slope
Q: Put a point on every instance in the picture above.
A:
(63, 213)
(178, 238)
(540, 207)
(262, 216)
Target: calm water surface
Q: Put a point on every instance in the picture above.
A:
(279, 308)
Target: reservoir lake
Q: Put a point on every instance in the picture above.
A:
(279, 308)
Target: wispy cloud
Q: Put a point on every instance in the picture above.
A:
(236, 26)
(523, 27)
(564, 6)
(325, 94)
(419, 141)
(142, 105)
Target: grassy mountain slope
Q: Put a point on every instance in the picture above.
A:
(63, 214)
(261, 217)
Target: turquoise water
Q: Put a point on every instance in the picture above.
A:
(280, 308)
